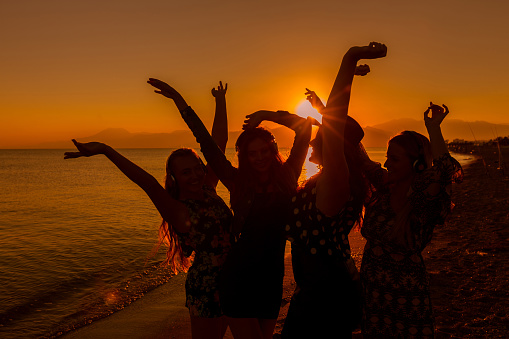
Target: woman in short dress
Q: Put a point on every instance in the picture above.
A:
(195, 220)
(326, 302)
(412, 197)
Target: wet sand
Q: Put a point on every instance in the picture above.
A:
(468, 262)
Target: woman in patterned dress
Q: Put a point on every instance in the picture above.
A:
(195, 220)
(412, 197)
(260, 192)
(326, 302)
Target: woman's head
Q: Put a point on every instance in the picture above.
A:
(257, 151)
(353, 136)
(185, 173)
(407, 153)
(353, 150)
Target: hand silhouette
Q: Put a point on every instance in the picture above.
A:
(220, 91)
(362, 70)
(164, 88)
(85, 149)
(254, 119)
(374, 50)
(438, 114)
(314, 100)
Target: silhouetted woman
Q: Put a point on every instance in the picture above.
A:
(195, 219)
(326, 302)
(412, 197)
(260, 191)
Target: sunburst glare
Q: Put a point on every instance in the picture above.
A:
(304, 109)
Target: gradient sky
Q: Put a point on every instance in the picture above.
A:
(70, 69)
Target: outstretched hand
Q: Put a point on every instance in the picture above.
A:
(314, 100)
(220, 91)
(438, 114)
(164, 88)
(374, 50)
(169, 92)
(85, 149)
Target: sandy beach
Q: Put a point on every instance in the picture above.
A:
(467, 261)
(468, 257)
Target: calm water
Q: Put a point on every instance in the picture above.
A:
(76, 238)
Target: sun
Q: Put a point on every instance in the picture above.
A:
(304, 109)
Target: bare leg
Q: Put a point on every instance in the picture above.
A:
(207, 328)
(245, 328)
(267, 326)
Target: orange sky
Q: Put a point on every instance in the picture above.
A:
(73, 68)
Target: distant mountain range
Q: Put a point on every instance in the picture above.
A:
(375, 136)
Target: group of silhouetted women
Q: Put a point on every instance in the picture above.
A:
(235, 277)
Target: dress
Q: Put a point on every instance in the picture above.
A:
(326, 303)
(251, 284)
(252, 277)
(209, 237)
(394, 278)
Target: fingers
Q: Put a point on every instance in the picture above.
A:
(154, 82)
(378, 49)
(72, 155)
(248, 123)
(362, 70)
(426, 113)
(314, 121)
(220, 89)
(225, 88)
(446, 109)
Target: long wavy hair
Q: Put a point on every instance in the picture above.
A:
(178, 259)
(246, 181)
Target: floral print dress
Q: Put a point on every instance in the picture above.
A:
(209, 238)
(394, 279)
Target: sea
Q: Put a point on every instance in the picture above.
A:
(78, 240)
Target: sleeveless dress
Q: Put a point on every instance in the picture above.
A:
(395, 282)
(209, 238)
(326, 302)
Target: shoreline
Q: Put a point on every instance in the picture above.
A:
(466, 261)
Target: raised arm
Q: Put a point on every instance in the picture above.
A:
(333, 189)
(213, 154)
(438, 114)
(317, 103)
(301, 127)
(171, 210)
(220, 125)
(219, 128)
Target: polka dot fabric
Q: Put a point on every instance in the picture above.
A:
(319, 233)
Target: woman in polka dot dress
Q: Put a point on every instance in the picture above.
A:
(413, 196)
(326, 302)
